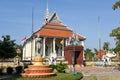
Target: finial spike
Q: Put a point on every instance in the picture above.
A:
(47, 12)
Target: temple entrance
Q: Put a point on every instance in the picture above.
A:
(77, 53)
(74, 54)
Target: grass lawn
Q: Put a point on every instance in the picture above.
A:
(59, 76)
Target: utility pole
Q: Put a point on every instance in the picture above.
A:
(99, 37)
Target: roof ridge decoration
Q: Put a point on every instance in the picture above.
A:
(47, 15)
(51, 18)
(54, 18)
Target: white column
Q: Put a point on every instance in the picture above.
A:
(82, 43)
(62, 50)
(24, 52)
(44, 46)
(36, 52)
(54, 51)
(66, 42)
(33, 48)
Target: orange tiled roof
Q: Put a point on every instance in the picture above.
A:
(56, 24)
(55, 30)
(55, 27)
(100, 54)
(54, 33)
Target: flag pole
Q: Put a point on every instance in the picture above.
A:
(32, 34)
(32, 20)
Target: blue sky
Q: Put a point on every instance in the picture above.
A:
(79, 15)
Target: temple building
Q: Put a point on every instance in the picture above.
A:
(51, 39)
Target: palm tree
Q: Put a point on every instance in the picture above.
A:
(106, 46)
(89, 54)
(95, 53)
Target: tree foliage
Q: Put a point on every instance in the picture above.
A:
(7, 47)
(116, 33)
(116, 5)
(89, 54)
(95, 51)
(106, 46)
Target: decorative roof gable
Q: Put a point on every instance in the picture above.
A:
(53, 27)
(51, 18)
(54, 18)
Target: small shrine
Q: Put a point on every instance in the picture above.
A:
(38, 69)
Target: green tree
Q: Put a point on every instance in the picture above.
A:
(7, 47)
(116, 5)
(89, 54)
(116, 33)
(95, 53)
(106, 46)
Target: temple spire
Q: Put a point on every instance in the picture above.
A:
(47, 15)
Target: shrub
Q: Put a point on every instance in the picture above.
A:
(61, 67)
(9, 70)
(19, 69)
(52, 66)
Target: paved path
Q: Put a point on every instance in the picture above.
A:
(99, 73)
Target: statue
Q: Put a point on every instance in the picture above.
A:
(52, 58)
(39, 47)
(107, 57)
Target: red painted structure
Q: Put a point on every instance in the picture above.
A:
(75, 52)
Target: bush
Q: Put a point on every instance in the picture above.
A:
(61, 67)
(19, 69)
(9, 70)
(52, 66)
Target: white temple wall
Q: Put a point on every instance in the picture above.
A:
(33, 49)
(27, 51)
